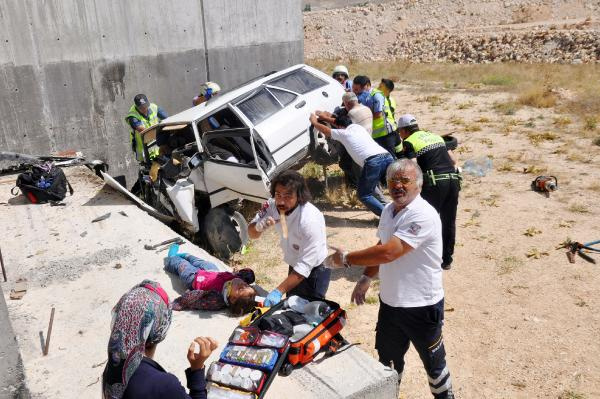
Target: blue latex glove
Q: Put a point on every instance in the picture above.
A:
(273, 298)
(173, 249)
(182, 255)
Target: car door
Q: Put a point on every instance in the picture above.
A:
(231, 167)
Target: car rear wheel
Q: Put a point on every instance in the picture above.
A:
(225, 231)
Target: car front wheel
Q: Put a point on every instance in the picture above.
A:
(225, 231)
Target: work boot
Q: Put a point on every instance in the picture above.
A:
(446, 266)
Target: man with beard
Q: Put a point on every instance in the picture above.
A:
(407, 258)
(301, 227)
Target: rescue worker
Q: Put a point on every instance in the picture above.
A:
(340, 73)
(207, 91)
(441, 183)
(373, 158)
(302, 237)
(142, 115)
(411, 294)
(383, 120)
(386, 87)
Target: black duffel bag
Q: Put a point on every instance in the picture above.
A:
(43, 183)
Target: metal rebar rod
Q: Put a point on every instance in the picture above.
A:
(2, 265)
(47, 346)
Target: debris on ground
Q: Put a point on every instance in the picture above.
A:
(19, 290)
(100, 218)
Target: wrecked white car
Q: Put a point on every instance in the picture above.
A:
(229, 149)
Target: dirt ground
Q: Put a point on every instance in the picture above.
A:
(521, 321)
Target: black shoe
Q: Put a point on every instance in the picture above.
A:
(447, 266)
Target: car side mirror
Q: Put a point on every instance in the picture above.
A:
(195, 161)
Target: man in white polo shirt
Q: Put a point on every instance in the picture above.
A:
(408, 259)
(302, 237)
(373, 158)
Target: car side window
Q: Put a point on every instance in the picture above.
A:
(259, 107)
(299, 81)
(284, 97)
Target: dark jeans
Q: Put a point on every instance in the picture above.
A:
(373, 172)
(315, 285)
(398, 327)
(389, 142)
(186, 267)
(444, 198)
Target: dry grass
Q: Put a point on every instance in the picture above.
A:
(433, 100)
(569, 394)
(507, 108)
(312, 170)
(472, 128)
(341, 196)
(577, 207)
(535, 169)
(466, 105)
(578, 156)
(508, 265)
(594, 187)
(535, 253)
(538, 97)
(562, 121)
(537, 138)
(455, 120)
(483, 119)
(506, 166)
(590, 123)
(532, 231)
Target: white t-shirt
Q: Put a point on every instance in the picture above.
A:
(306, 245)
(414, 279)
(363, 116)
(358, 142)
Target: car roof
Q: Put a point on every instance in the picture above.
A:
(199, 111)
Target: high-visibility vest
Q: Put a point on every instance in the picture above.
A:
(423, 141)
(384, 124)
(147, 121)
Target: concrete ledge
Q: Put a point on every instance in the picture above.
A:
(83, 268)
(12, 380)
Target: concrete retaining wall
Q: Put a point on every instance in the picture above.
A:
(70, 68)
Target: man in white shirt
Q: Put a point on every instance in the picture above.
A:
(408, 259)
(302, 237)
(373, 158)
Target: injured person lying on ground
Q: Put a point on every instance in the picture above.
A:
(209, 288)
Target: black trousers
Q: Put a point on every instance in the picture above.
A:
(444, 198)
(315, 285)
(421, 326)
(389, 142)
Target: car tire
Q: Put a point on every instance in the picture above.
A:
(225, 232)
(451, 142)
(323, 151)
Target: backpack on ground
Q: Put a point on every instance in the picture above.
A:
(43, 183)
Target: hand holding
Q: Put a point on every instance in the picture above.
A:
(273, 298)
(336, 259)
(264, 224)
(207, 345)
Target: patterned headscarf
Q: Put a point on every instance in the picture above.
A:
(142, 316)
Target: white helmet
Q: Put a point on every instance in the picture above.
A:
(341, 69)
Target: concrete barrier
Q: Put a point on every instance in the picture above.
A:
(69, 68)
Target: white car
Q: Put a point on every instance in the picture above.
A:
(229, 148)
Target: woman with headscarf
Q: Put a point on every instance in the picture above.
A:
(140, 321)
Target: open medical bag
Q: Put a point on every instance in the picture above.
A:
(253, 357)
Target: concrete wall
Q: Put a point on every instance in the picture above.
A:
(70, 68)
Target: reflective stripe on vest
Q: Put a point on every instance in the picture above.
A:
(382, 126)
(147, 122)
(423, 141)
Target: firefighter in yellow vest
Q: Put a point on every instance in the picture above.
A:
(441, 181)
(142, 115)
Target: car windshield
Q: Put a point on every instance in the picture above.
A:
(299, 81)
(260, 106)
(284, 97)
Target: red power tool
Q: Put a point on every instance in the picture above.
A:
(545, 184)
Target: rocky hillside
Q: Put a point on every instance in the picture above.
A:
(564, 31)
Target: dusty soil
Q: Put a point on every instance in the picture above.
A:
(521, 321)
